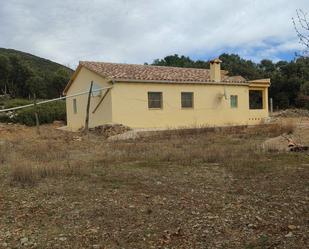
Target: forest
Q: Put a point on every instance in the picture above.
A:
(289, 79)
(22, 75)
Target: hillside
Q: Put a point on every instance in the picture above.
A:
(23, 74)
(38, 64)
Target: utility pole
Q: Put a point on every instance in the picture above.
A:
(88, 108)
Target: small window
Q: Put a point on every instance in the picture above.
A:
(255, 99)
(96, 90)
(74, 106)
(154, 99)
(234, 101)
(187, 100)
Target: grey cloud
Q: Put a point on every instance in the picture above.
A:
(136, 31)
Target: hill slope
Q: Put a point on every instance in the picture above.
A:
(38, 64)
(23, 75)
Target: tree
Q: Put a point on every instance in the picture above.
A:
(301, 25)
(19, 74)
(5, 69)
(238, 66)
(36, 86)
(58, 82)
(305, 88)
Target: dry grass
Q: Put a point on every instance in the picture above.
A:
(191, 188)
(51, 156)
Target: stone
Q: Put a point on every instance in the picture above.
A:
(258, 218)
(292, 227)
(289, 235)
(24, 240)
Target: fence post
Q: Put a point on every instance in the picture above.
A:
(36, 115)
(271, 105)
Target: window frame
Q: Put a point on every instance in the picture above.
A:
(75, 106)
(234, 105)
(183, 100)
(256, 106)
(150, 100)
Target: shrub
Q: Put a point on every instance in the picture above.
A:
(4, 118)
(48, 113)
(15, 102)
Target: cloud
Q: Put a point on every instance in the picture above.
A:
(136, 31)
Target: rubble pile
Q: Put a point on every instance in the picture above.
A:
(292, 113)
(109, 130)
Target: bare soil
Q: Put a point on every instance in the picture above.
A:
(175, 189)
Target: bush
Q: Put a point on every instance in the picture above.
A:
(48, 113)
(10, 103)
(4, 118)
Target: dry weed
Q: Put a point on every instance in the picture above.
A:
(23, 172)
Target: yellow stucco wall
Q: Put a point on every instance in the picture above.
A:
(130, 106)
(127, 103)
(81, 83)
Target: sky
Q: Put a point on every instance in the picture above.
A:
(138, 31)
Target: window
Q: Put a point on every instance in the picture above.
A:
(187, 100)
(234, 101)
(255, 99)
(74, 106)
(154, 99)
(96, 92)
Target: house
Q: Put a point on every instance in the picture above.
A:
(142, 96)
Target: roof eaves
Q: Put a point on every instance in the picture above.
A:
(224, 82)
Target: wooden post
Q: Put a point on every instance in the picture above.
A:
(101, 100)
(36, 115)
(271, 105)
(88, 108)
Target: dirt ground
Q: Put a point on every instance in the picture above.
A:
(176, 189)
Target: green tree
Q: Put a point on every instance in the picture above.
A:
(36, 85)
(19, 74)
(58, 82)
(5, 69)
(305, 88)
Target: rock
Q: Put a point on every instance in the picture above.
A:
(24, 241)
(58, 123)
(62, 238)
(96, 246)
(292, 227)
(258, 218)
(109, 130)
(289, 235)
(7, 234)
(77, 138)
(4, 244)
(290, 113)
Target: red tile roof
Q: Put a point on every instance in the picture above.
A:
(122, 72)
(146, 73)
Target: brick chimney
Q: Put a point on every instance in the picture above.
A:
(215, 70)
